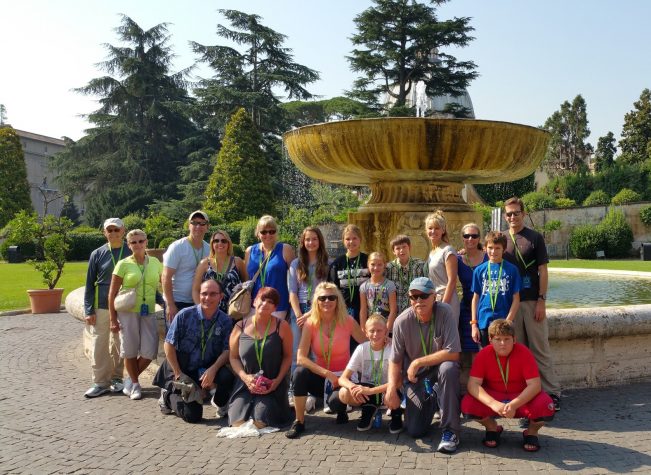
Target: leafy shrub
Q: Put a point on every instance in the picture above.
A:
(83, 243)
(597, 198)
(165, 242)
(626, 195)
(157, 227)
(247, 232)
(86, 229)
(564, 203)
(617, 233)
(237, 250)
(645, 215)
(134, 221)
(586, 240)
(537, 200)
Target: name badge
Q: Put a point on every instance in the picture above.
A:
(526, 282)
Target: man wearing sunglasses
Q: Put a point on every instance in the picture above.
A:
(425, 362)
(104, 345)
(526, 249)
(180, 262)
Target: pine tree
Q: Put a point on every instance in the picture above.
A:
(604, 156)
(239, 185)
(14, 188)
(636, 133)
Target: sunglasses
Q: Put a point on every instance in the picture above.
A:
(140, 241)
(198, 223)
(415, 297)
(264, 232)
(513, 213)
(330, 298)
(113, 230)
(222, 241)
(471, 236)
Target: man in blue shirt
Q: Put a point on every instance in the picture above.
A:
(196, 347)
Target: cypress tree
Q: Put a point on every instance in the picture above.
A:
(14, 188)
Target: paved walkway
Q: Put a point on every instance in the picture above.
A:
(47, 426)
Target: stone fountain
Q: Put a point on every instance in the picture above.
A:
(414, 166)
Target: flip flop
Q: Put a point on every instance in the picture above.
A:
(530, 440)
(493, 436)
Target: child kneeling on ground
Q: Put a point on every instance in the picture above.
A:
(371, 361)
(504, 382)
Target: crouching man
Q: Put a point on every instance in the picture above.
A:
(196, 350)
(504, 382)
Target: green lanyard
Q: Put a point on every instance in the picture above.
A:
(327, 355)
(310, 283)
(197, 257)
(220, 275)
(429, 334)
(264, 262)
(517, 251)
(113, 258)
(204, 340)
(142, 272)
(505, 376)
(493, 295)
(376, 300)
(376, 371)
(404, 283)
(351, 286)
(259, 351)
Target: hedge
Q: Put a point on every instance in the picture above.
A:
(82, 244)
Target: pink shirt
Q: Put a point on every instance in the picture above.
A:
(340, 345)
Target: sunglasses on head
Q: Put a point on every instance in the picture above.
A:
(198, 223)
(469, 236)
(264, 232)
(415, 297)
(513, 213)
(222, 241)
(323, 298)
(139, 241)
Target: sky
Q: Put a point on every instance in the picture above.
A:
(531, 55)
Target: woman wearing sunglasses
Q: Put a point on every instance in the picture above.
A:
(138, 327)
(272, 260)
(326, 333)
(471, 257)
(221, 265)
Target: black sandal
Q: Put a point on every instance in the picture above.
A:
(530, 440)
(493, 436)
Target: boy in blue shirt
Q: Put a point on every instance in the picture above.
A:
(496, 289)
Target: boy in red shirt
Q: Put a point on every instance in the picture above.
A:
(504, 382)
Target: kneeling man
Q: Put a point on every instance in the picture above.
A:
(504, 382)
(426, 355)
(196, 350)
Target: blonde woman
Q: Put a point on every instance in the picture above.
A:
(222, 266)
(442, 264)
(326, 333)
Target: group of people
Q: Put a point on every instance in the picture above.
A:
(357, 330)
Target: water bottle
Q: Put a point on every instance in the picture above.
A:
(377, 422)
(403, 401)
(428, 387)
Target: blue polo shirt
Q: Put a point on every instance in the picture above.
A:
(191, 330)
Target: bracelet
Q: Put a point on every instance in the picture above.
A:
(473, 322)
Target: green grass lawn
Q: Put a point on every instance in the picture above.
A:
(15, 279)
(633, 264)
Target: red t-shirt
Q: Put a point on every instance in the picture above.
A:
(340, 345)
(522, 366)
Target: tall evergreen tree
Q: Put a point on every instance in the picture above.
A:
(568, 149)
(604, 156)
(636, 133)
(14, 188)
(401, 42)
(238, 186)
(132, 153)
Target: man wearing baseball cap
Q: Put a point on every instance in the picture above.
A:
(180, 262)
(425, 362)
(102, 344)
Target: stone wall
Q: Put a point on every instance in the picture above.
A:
(557, 241)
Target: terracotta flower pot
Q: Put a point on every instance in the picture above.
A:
(45, 300)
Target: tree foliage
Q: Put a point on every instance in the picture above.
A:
(14, 188)
(636, 134)
(399, 43)
(604, 156)
(568, 149)
(495, 192)
(238, 186)
(132, 153)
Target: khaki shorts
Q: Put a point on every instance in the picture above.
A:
(138, 335)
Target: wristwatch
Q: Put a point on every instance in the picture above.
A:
(542, 297)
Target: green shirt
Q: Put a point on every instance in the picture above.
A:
(132, 275)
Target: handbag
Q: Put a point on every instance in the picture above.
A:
(126, 299)
(239, 305)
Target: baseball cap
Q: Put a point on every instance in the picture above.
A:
(113, 222)
(200, 213)
(422, 284)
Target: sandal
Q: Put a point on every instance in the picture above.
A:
(531, 440)
(492, 438)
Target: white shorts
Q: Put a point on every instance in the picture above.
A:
(138, 335)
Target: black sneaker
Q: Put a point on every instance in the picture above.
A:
(557, 402)
(366, 421)
(342, 418)
(295, 430)
(395, 427)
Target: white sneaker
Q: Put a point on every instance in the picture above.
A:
(136, 392)
(449, 442)
(310, 404)
(290, 399)
(95, 391)
(326, 409)
(126, 390)
(161, 403)
(116, 385)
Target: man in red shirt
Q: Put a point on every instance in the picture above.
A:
(504, 382)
